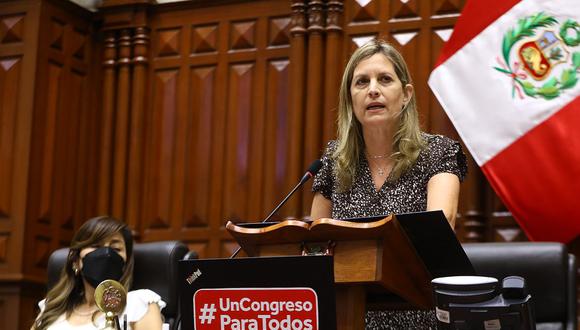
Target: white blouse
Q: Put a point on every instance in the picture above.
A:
(137, 305)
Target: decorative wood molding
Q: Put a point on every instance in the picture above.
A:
(334, 16)
(298, 17)
(315, 16)
(140, 44)
(107, 4)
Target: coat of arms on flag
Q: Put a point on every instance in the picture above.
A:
(519, 115)
(536, 46)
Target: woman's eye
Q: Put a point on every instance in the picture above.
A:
(386, 79)
(361, 81)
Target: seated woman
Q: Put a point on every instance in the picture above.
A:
(101, 249)
(381, 161)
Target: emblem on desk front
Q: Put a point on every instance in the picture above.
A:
(194, 276)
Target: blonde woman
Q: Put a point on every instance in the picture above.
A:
(101, 249)
(381, 162)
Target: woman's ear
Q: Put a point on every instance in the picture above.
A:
(408, 91)
(75, 261)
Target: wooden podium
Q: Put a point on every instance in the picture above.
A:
(366, 255)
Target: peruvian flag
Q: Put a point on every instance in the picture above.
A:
(508, 80)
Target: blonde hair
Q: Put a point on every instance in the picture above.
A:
(407, 141)
(68, 292)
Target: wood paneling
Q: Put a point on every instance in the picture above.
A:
(18, 33)
(219, 103)
(45, 65)
(178, 117)
(58, 159)
(10, 72)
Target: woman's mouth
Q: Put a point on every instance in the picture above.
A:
(375, 106)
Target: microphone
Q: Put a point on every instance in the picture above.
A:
(310, 172)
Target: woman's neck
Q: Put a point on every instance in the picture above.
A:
(89, 294)
(378, 142)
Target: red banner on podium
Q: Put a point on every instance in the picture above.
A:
(255, 309)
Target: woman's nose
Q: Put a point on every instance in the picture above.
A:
(373, 90)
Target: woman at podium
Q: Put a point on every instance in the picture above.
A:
(381, 161)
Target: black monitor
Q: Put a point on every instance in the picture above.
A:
(480, 303)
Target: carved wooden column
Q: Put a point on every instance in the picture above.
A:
(333, 67)
(313, 144)
(297, 97)
(121, 124)
(140, 44)
(125, 24)
(106, 147)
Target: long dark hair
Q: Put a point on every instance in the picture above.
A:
(69, 291)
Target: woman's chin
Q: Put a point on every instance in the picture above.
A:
(377, 119)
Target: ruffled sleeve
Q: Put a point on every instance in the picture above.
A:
(324, 180)
(446, 157)
(138, 302)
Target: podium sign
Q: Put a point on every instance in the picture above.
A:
(281, 293)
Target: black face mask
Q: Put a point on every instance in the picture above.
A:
(102, 264)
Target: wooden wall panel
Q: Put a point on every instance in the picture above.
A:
(237, 132)
(18, 34)
(179, 117)
(199, 180)
(47, 69)
(162, 139)
(62, 89)
(276, 131)
(220, 80)
(10, 72)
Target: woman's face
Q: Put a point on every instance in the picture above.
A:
(378, 95)
(115, 242)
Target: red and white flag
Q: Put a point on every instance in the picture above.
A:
(508, 80)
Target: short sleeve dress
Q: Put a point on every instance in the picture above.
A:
(406, 194)
(137, 305)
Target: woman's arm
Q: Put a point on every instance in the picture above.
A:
(321, 207)
(443, 194)
(152, 319)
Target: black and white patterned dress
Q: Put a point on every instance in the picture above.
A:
(406, 194)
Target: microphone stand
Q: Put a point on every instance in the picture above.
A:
(305, 178)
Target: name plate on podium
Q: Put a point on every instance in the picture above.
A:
(281, 293)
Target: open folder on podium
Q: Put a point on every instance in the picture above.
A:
(399, 253)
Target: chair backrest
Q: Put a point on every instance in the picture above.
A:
(549, 271)
(155, 269)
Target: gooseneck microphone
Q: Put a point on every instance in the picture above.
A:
(310, 172)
